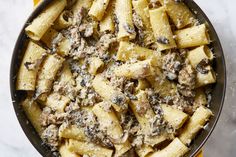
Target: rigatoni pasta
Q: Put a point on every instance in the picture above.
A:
(27, 75)
(161, 28)
(112, 78)
(45, 20)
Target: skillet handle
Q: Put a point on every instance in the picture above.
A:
(200, 154)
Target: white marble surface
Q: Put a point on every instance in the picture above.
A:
(13, 142)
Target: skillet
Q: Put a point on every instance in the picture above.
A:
(218, 92)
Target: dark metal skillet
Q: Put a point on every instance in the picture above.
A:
(218, 93)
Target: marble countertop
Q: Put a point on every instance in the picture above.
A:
(13, 141)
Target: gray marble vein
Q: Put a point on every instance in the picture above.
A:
(13, 142)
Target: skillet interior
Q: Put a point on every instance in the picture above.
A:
(217, 94)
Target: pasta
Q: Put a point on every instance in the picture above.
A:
(85, 148)
(193, 36)
(196, 123)
(161, 28)
(64, 151)
(44, 20)
(179, 13)
(57, 102)
(63, 46)
(33, 112)
(109, 93)
(63, 21)
(108, 120)
(137, 70)
(98, 9)
(175, 149)
(47, 74)
(26, 79)
(112, 78)
(139, 7)
(196, 55)
(107, 24)
(125, 23)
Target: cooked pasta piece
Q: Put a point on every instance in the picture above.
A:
(72, 132)
(63, 21)
(107, 23)
(174, 117)
(45, 20)
(126, 29)
(193, 36)
(95, 64)
(33, 113)
(62, 47)
(175, 149)
(109, 93)
(179, 13)
(27, 75)
(196, 55)
(200, 99)
(195, 124)
(88, 148)
(144, 113)
(138, 70)
(142, 84)
(81, 4)
(47, 74)
(109, 122)
(144, 150)
(161, 28)
(57, 102)
(163, 86)
(139, 7)
(206, 77)
(65, 152)
(98, 9)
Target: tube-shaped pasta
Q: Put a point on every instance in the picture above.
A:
(140, 69)
(144, 150)
(174, 117)
(142, 84)
(88, 148)
(196, 55)
(45, 19)
(200, 99)
(163, 86)
(48, 73)
(161, 28)
(98, 9)
(57, 102)
(179, 13)
(128, 51)
(144, 113)
(33, 113)
(193, 36)
(95, 64)
(72, 132)
(195, 124)
(175, 149)
(123, 12)
(109, 93)
(206, 78)
(63, 21)
(64, 44)
(110, 122)
(81, 4)
(139, 7)
(26, 78)
(107, 24)
(65, 152)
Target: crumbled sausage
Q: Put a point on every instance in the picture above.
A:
(187, 76)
